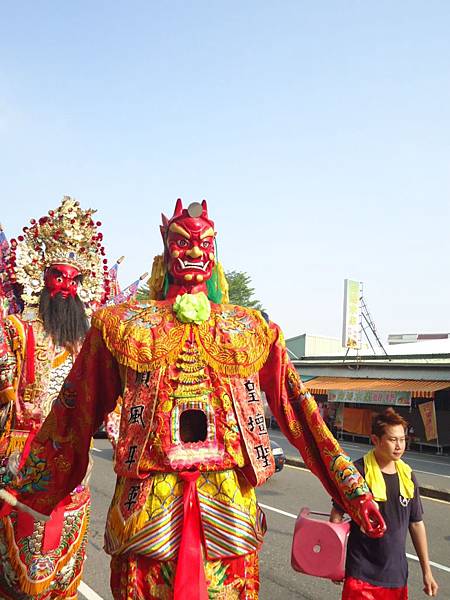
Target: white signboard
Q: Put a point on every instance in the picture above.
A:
(351, 330)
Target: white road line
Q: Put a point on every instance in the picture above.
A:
(411, 556)
(433, 564)
(279, 511)
(429, 473)
(299, 468)
(433, 499)
(443, 463)
(86, 591)
(96, 449)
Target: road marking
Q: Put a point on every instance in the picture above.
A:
(433, 564)
(95, 449)
(299, 468)
(422, 497)
(277, 510)
(442, 463)
(411, 556)
(86, 591)
(429, 473)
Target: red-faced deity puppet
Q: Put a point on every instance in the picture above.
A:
(62, 279)
(189, 247)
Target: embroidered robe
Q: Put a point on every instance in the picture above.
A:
(36, 560)
(191, 399)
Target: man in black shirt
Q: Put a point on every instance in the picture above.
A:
(377, 569)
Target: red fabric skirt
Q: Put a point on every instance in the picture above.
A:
(355, 589)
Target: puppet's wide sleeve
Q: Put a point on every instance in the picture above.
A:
(59, 454)
(299, 419)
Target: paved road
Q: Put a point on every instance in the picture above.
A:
(287, 491)
(294, 488)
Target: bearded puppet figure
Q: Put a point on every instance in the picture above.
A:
(184, 522)
(58, 268)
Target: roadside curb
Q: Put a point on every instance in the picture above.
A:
(425, 490)
(431, 492)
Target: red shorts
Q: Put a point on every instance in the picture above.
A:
(355, 589)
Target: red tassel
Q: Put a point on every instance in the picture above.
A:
(30, 354)
(190, 581)
(26, 448)
(53, 528)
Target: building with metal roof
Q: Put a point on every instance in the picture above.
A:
(350, 387)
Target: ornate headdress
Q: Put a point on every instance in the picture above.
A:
(69, 236)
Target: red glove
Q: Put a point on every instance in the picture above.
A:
(372, 521)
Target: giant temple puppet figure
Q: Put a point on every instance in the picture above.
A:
(59, 267)
(184, 522)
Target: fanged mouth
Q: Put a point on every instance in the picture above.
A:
(200, 266)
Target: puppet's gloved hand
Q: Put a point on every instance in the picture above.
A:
(372, 522)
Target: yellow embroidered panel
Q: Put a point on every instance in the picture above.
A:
(233, 341)
(141, 336)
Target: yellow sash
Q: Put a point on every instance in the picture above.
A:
(375, 479)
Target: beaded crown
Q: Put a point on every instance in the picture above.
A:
(67, 235)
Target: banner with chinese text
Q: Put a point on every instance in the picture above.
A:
(428, 414)
(351, 329)
(370, 397)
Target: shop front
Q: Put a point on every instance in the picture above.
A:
(348, 405)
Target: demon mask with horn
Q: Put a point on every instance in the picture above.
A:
(189, 263)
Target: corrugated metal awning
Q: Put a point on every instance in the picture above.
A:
(418, 388)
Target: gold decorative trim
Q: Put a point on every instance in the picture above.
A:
(245, 344)
(60, 359)
(234, 341)
(143, 337)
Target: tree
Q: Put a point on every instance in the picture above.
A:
(240, 291)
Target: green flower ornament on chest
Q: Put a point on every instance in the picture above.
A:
(192, 308)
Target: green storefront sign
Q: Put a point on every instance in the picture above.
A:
(370, 397)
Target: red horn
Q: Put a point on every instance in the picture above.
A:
(205, 209)
(178, 208)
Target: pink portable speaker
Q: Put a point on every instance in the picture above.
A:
(318, 546)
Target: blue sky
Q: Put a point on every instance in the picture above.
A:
(319, 133)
